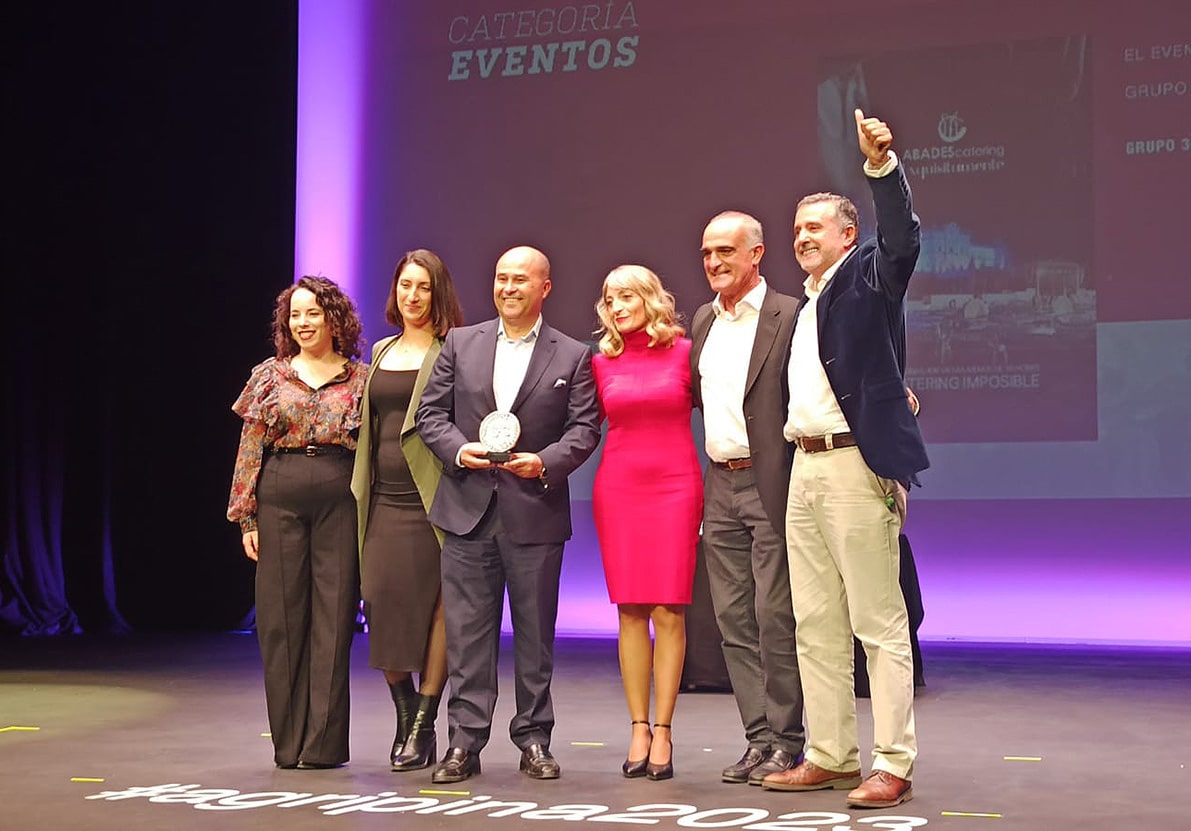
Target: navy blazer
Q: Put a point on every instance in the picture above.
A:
(862, 335)
(560, 421)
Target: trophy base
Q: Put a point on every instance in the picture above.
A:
(498, 456)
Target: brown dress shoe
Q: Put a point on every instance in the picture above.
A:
(881, 790)
(810, 777)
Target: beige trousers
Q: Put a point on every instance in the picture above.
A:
(842, 525)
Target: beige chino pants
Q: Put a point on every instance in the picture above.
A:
(842, 525)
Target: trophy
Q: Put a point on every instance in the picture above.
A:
(499, 431)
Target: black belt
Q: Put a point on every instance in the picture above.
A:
(818, 444)
(312, 450)
(734, 464)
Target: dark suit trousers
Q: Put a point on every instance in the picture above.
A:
(750, 590)
(307, 595)
(476, 569)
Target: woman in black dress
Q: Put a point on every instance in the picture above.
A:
(394, 482)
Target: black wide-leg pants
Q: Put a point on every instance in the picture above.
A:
(307, 595)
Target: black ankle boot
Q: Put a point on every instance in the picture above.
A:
(404, 698)
(421, 747)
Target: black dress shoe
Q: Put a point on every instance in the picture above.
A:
(458, 764)
(778, 761)
(319, 765)
(739, 772)
(537, 763)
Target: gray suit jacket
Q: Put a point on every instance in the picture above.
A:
(560, 421)
(766, 395)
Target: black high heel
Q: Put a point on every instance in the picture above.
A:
(637, 769)
(666, 771)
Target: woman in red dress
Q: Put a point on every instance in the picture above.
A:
(647, 499)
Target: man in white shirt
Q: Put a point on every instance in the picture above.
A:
(740, 344)
(858, 449)
(506, 521)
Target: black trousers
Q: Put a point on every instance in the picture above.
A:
(307, 594)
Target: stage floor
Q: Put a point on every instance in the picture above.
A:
(1011, 737)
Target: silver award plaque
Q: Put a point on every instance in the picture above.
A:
(499, 431)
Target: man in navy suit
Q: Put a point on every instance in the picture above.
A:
(857, 450)
(506, 521)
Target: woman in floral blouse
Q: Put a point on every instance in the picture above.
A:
(291, 497)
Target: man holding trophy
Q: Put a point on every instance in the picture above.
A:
(510, 408)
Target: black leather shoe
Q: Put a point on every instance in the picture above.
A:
(778, 761)
(739, 772)
(458, 764)
(319, 765)
(537, 763)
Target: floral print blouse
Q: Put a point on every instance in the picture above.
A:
(280, 410)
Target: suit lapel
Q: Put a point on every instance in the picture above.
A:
(486, 356)
(767, 326)
(543, 351)
(378, 356)
(699, 329)
(420, 384)
(700, 326)
(827, 298)
(365, 404)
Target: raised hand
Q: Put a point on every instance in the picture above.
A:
(875, 138)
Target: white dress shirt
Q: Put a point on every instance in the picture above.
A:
(512, 361)
(723, 370)
(813, 409)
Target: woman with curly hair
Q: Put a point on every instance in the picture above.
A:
(292, 499)
(648, 478)
(394, 482)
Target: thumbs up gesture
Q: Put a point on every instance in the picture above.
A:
(875, 138)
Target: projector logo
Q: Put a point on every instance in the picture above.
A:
(951, 127)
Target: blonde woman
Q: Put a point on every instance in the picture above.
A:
(647, 499)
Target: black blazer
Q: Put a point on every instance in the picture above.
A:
(862, 335)
(766, 395)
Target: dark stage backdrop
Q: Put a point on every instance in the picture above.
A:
(1049, 148)
(152, 220)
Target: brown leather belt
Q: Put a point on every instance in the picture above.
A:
(819, 444)
(734, 464)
